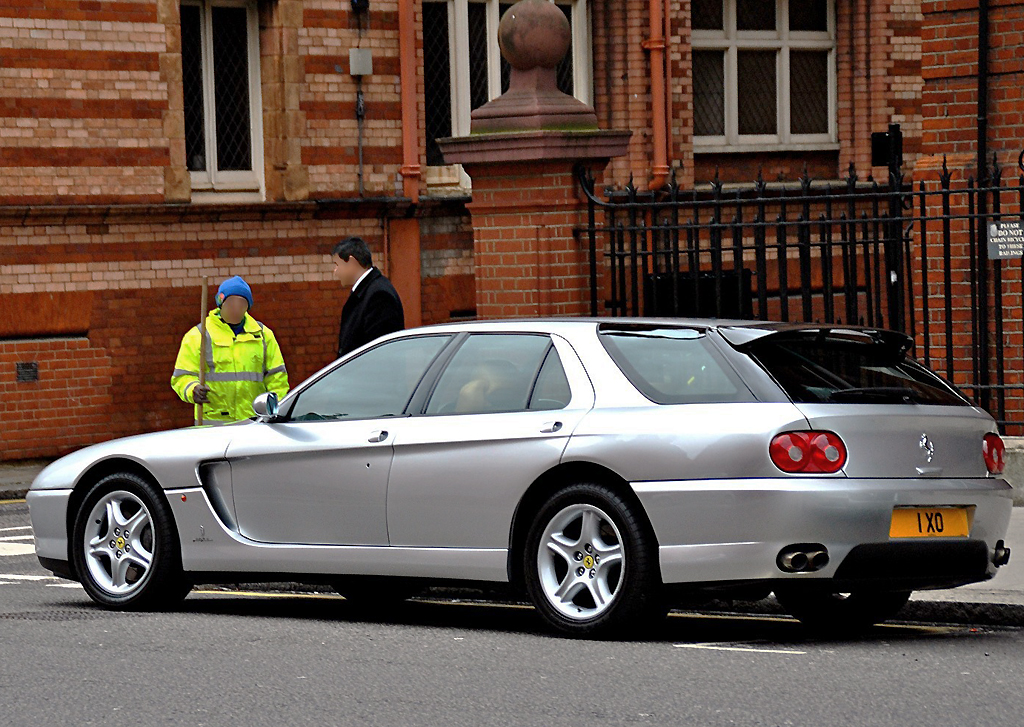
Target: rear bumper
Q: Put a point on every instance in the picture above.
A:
(734, 530)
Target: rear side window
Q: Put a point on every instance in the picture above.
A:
(551, 391)
(673, 365)
(850, 367)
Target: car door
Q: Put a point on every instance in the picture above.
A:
(497, 418)
(320, 475)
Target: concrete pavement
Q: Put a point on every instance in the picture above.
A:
(15, 477)
(1006, 588)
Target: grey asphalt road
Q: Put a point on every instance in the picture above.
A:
(276, 658)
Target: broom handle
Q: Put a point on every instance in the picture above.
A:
(202, 344)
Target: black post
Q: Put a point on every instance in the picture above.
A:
(894, 238)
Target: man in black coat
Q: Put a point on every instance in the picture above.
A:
(373, 308)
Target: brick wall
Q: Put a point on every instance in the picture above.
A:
(949, 98)
(126, 287)
(527, 257)
(69, 406)
(949, 102)
(447, 268)
(328, 93)
(82, 102)
(878, 81)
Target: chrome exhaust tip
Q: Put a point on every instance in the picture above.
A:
(795, 562)
(817, 560)
(802, 558)
(1001, 554)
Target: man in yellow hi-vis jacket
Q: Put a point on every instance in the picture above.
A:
(243, 359)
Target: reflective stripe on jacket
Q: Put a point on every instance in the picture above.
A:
(238, 368)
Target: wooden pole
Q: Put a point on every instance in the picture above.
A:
(202, 344)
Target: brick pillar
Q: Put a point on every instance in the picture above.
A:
(528, 214)
(529, 218)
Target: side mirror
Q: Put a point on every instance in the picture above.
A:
(265, 405)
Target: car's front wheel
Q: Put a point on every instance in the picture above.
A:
(825, 610)
(591, 564)
(125, 545)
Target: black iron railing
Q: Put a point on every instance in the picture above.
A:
(908, 256)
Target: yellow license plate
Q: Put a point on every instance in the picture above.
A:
(931, 522)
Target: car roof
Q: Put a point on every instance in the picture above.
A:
(735, 331)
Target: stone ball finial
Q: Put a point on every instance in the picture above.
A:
(534, 34)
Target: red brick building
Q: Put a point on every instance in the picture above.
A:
(145, 144)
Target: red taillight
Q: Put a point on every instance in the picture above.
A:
(808, 452)
(994, 451)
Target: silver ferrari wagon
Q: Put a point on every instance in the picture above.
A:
(606, 468)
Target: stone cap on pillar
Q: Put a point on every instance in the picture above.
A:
(534, 37)
(534, 120)
(527, 146)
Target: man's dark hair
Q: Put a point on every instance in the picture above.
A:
(354, 247)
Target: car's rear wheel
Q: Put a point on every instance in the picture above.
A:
(825, 610)
(590, 563)
(125, 545)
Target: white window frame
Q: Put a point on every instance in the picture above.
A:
(212, 184)
(458, 59)
(731, 41)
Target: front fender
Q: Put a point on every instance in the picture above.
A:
(171, 456)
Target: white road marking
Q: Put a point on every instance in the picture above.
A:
(20, 527)
(16, 549)
(63, 585)
(10, 538)
(21, 577)
(716, 647)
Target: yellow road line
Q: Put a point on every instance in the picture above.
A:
(12, 502)
(736, 617)
(264, 594)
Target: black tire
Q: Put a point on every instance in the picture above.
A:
(162, 584)
(838, 613)
(636, 600)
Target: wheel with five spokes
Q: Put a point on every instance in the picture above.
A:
(591, 564)
(125, 546)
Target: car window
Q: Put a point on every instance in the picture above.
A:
(673, 365)
(552, 388)
(377, 383)
(850, 367)
(490, 373)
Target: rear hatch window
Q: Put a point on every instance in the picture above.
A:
(673, 365)
(835, 366)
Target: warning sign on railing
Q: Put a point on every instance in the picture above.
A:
(1005, 240)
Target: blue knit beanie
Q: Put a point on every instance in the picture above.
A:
(233, 286)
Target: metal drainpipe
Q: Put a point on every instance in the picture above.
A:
(656, 45)
(668, 84)
(983, 49)
(983, 308)
(410, 123)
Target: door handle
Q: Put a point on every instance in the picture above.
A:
(379, 436)
(550, 427)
